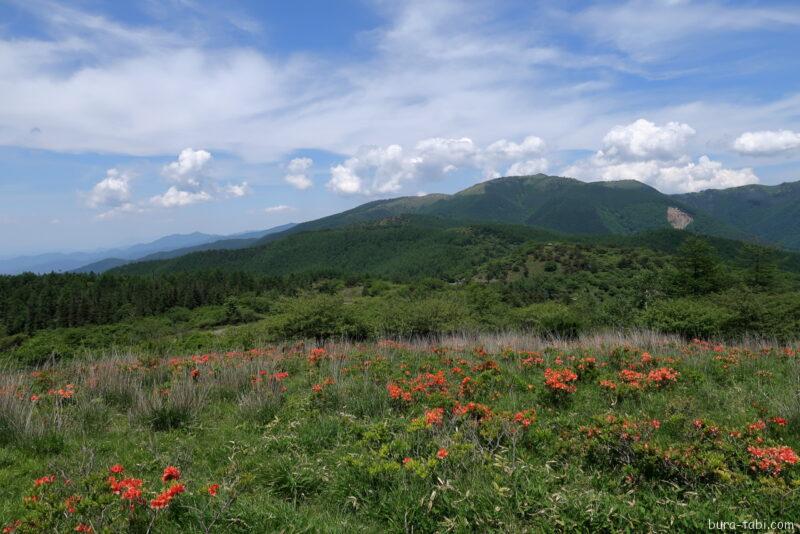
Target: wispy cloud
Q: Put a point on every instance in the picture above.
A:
(436, 69)
(281, 208)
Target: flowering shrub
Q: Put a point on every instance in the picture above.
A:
(477, 411)
(771, 460)
(525, 418)
(559, 381)
(315, 355)
(662, 376)
(632, 378)
(99, 503)
(434, 417)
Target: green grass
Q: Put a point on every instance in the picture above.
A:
(323, 449)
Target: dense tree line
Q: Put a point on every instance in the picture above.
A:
(29, 302)
(497, 277)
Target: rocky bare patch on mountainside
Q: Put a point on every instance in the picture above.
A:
(678, 218)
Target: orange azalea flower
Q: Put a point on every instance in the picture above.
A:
(70, 502)
(11, 527)
(757, 426)
(662, 376)
(630, 376)
(608, 384)
(165, 497)
(442, 454)
(559, 380)
(171, 473)
(213, 489)
(526, 417)
(772, 459)
(317, 388)
(49, 479)
(316, 355)
(434, 417)
(477, 410)
(116, 469)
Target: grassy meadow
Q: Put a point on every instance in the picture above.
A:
(506, 432)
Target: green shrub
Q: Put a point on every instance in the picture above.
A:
(550, 318)
(687, 317)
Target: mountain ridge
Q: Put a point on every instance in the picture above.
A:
(102, 259)
(556, 203)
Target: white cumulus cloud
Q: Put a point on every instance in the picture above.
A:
(110, 192)
(767, 143)
(643, 139)
(374, 170)
(383, 170)
(189, 167)
(528, 167)
(192, 183)
(237, 190)
(656, 155)
(297, 175)
(175, 197)
(504, 149)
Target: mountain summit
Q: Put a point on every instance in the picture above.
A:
(555, 203)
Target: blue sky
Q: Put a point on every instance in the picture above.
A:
(121, 122)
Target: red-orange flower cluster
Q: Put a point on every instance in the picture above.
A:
(780, 421)
(316, 355)
(560, 380)
(171, 473)
(525, 418)
(772, 460)
(320, 387)
(49, 479)
(631, 378)
(129, 489)
(67, 392)
(398, 393)
(165, 497)
(608, 384)
(662, 376)
(434, 417)
(475, 409)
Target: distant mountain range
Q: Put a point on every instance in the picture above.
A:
(765, 214)
(555, 206)
(104, 259)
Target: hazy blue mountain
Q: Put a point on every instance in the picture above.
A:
(231, 242)
(104, 259)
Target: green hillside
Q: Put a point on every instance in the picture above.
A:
(550, 202)
(409, 246)
(770, 212)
